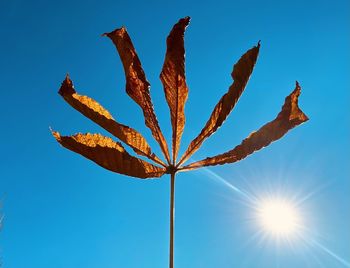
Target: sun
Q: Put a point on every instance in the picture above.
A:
(278, 217)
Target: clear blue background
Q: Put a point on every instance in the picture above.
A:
(63, 211)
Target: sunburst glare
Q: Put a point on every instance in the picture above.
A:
(278, 217)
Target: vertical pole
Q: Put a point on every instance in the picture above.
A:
(172, 215)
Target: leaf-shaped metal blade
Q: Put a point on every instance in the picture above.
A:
(174, 81)
(94, 111)
(108, 154)
(289, 117)
(240, 74)
(137, 86)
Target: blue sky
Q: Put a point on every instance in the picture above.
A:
(63, 211)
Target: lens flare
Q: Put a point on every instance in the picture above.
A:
(280, 216)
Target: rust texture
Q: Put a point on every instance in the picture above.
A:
(108, 154)
(289, 117)
(137, 86)
(111, 155)
(94, 111)
(174, 81)
(176, 93)
(240, 74)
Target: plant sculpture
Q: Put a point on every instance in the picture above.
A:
(112, 155)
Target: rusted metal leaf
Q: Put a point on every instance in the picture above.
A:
(174, 81)
(240, 74)
(94, 111)
(108, 154)
(289, 117)
(137, 86)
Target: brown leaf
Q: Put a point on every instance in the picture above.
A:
(174, 81)
(108, 154)
(137, 85)
(240, 74)
(94, 111)
(289, 117)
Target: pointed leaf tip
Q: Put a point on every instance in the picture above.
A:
(118, 32)
(185, 21)
(291, 107)
(55, 134)
(67, 86)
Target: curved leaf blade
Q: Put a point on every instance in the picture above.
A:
(240, 74)
(174, 81)
(289, 117)
(108, 154)
(98, 114)
(137, 86)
